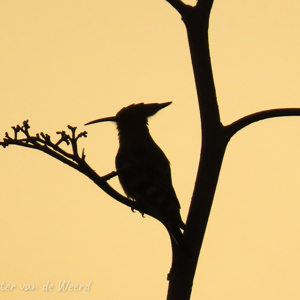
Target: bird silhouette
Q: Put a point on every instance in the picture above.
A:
(143, 168)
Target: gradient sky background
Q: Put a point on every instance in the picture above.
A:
(69, 62)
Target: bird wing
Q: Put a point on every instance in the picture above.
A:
(145, 166)
(144, 173)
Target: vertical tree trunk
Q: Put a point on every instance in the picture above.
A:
(214, 142)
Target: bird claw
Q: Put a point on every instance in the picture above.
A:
(142, 213)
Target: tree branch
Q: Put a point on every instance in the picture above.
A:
(196, 20)
(43, 143)
(179, 5)
(265, 114)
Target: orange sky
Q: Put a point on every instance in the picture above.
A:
(69, 62)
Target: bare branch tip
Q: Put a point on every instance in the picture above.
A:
(25, 124)
(81, 134)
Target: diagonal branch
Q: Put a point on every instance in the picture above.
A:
(43, 143)
(265, 114)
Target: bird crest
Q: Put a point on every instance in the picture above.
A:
(140, 110)
(134, 113)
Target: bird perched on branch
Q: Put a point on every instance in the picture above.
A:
(143, 168)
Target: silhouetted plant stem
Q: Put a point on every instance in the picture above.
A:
(213, 147)
(42, 142)
(261, 115)
(215, 138)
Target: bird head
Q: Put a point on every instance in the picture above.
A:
(133, 115)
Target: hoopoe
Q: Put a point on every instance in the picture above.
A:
(143, 168)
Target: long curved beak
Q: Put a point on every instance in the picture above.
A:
(108, 119)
